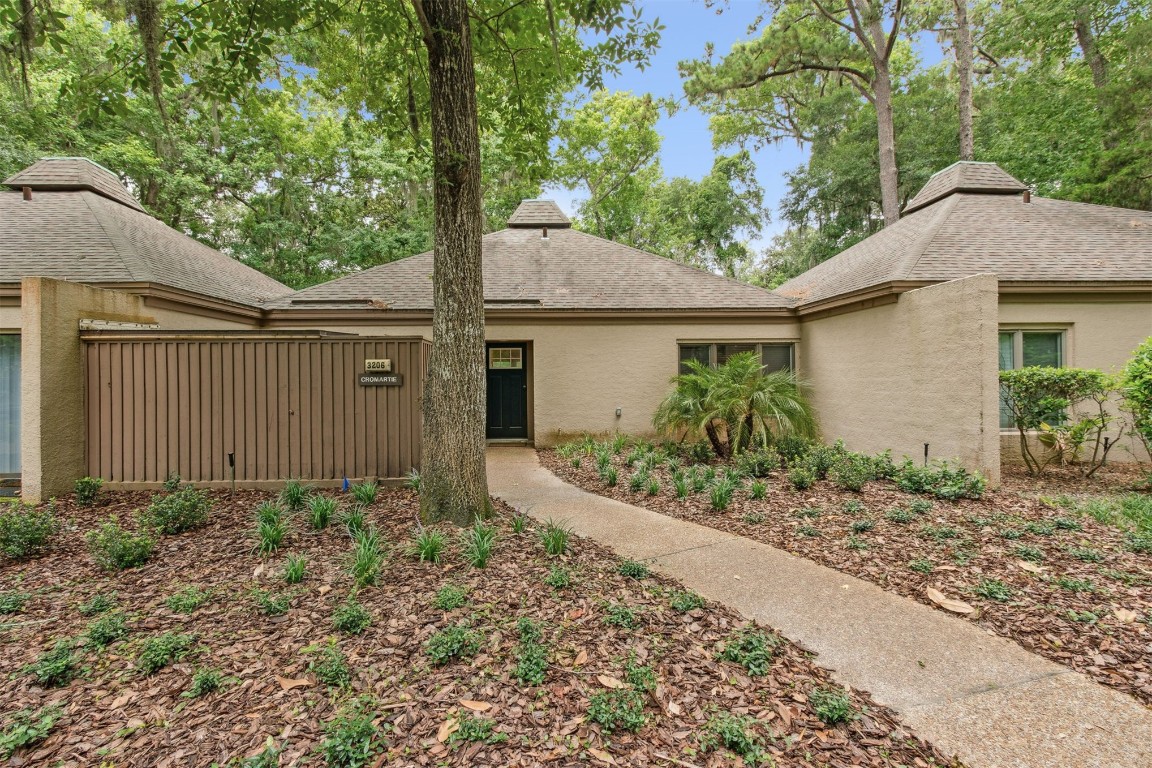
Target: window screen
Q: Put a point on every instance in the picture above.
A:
(776, 357)
(726, 351)
(1023, 349)
(702, 353)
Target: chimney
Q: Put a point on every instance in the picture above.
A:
(544, 236)
(27, 193)
(1027, 196)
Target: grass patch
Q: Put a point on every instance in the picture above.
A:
(188, 599)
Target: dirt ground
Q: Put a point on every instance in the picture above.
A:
(115, 715)
(1061, 585)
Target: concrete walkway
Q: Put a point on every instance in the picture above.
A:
(972, 694)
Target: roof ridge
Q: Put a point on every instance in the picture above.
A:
(128, 255)
(920, 246)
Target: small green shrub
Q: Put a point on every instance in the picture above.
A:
(751, 649)
(106, 630)
(758, 463)
(1066, 524)
(639, 676)
(1075, 585)
(808, 531)
(56, 667)
(26, 531)
(754, 518)
(808, 513)
(427, 545)
(922, 566)
(619, 615)
(477, 543)
(367, 558)
(330, 665)
(993, 589)
(720, 496)
(1040, 528)
(162, 650)
(758, 490)
(295, 495)
(269, 512)
(1140, 543)
(620, 709)
(184, 510)
(1029, 553)
(452, 643)
(13, 602)
(270, 603)
(851, 471)
(736, 733)
(856, 544)
(473, 728)
(940, 479)
(115, 549)
(352, 738)
(801, 478)
(832, 706)
(939, 533)
(555, 538)
(450, 597)
(792, 449)
(1086, 554)
(350, 617)
(172, 482)
(26, 728)
(295, 566)
(270, 536)
(899, 515)
(88, 491)
(321, 510)
(531, 654)
(365, 493)
(188, 599)
(558, 577)
(920, 506)
(413, 481)
(862, 526)
(204, 682)
(1011, 534)
(1082, 617)
(97, 604)
(686, 601)
(634, 569)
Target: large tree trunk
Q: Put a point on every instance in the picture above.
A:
(886, 133)
(454, 486)
(963, 45)
(1086, 39)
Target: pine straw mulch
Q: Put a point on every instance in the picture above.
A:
(116, 716)
(1091, 614)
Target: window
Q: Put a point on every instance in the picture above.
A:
(1021, 349)
(773, 356)
(505, 357)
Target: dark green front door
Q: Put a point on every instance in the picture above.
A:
(507, 392)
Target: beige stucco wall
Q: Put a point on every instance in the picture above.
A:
(1099, 332)
(175, 320)
(52, 377)
(10, 318)
(920, 370)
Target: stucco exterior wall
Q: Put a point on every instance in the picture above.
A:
(175, 320)
(10, 318)
(1099, 332)
(53, 380)
(921, 370)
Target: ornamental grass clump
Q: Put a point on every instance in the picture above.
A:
(321, 510)
(365, 493)
(295, 495)
(720, 495)
(477, 543)
(555, 538)
(367, 557)
(427, 545)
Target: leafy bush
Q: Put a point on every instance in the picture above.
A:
(330, 665)
(1136, 387)
(13, 602)
(115, 549)
(450, 597)
(477, 543)
(993, 589)
(832, 706)
(56, 667)
(686, 601)
(751, 649)
(555, 538)
(851, 471)
(162, 650)
(188, 599)
(172, 482)
(455, 642)
(26, 531)
(801, 477)
(204, 682)
(619, 709)
(321, 510)
(558, 577)
(184, 510)
(88, 490)
(531, 654)
(737, 733)
(295, 567)
(106, 630)
(634, 569)
(98, 603)
(792, 449)
(27, 728)
(351, 738)
(940, 479)
(351, 617)
(365, 493)
(472, 728)
(619, 615)
(295, 495)
(427, 545)
(758, 463)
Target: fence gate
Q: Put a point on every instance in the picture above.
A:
(284, 404)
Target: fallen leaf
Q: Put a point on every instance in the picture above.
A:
(1024, 565)
(673, 708)
(447, 728)
(288, 683)
(609, 682)
(601, 755)
(258, 571)
(325, 590)
(948, 603)
(475, 706)
(581, 659)
(1125, 615)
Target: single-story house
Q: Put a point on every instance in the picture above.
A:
(132, 351)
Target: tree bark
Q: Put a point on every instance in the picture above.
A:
(886, 134)
(1086, 39)
(454, 486)
(963, 43)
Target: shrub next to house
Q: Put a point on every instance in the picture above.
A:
(1136, 386)
(26, 531)
(177, 512)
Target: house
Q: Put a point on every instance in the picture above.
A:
(124, 322)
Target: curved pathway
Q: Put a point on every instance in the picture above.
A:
(973, 694)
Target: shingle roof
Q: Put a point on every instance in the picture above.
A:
(970, 233)
(73, 173)
(96, 237)
(570, 270)
(539, 213)
(965, 176)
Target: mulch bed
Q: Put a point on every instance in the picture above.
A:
(114, 714)
(1091, 612)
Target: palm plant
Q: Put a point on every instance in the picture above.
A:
(736, 405)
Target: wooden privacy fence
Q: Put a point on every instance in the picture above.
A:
(286, 405)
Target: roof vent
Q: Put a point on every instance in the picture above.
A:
(1027, 196)
(544, 236)
(27, 193)
(966, 176)
(538, 213)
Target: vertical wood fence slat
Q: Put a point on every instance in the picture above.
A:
(286, 407)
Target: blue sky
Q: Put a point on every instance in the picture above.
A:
(687, 148)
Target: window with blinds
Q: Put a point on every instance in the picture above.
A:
(774, 356)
